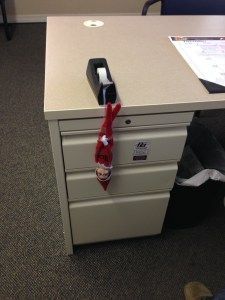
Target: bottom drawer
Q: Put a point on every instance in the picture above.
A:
(118, 217)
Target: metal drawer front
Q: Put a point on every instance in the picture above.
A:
(127, 121)
(125, 180)
(119, 217)
(163, 144)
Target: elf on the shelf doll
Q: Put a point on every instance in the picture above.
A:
(103, 153)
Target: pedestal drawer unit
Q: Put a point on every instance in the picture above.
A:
(136, 199)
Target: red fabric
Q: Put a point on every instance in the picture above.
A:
(103, 154)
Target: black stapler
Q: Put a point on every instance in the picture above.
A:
(100, 80)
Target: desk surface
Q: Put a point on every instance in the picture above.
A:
(150, 74)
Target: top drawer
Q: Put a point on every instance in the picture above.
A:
(132, 146)
(127, 121)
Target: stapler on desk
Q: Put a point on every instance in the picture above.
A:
(100, 80)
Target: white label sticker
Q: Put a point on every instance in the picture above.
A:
(141, 149)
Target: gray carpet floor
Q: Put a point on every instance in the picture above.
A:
(33, 263)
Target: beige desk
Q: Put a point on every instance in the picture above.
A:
(158, 92)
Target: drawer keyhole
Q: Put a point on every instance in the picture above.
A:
(128, 121)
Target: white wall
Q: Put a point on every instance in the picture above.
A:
(37, 10)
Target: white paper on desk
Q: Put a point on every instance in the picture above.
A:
(205, 55)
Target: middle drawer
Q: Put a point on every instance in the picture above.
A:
(125, 180)
(160, 144)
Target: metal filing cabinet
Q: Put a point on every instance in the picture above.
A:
(136, 200)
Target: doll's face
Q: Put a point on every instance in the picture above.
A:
(103, 174)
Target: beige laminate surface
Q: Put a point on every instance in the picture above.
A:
(150, 75)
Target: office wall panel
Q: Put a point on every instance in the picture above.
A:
(26, 10)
